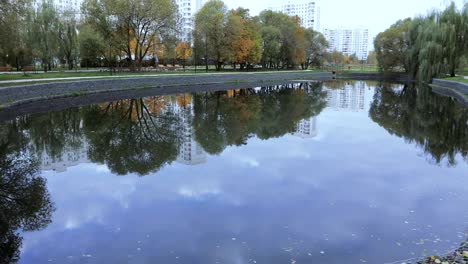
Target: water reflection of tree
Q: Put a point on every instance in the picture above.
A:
(24, 200)
(54, 132)
(438, 124)
(230, 118)
(136, 135)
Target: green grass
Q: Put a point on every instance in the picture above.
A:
(458, 79)
(42, 75)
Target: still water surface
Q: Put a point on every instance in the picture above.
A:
(339, 172)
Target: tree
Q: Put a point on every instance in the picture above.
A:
(25, 203)
(231, 117)
(92, 46)
(437, 124)
(68, 38)
(315, 48)
(284, 40)
(184, 51)
(209, 32)
(392, 45)
(132, 136)
(244, 38)
(456, 36)
(130, 26)
(13, 48)
(43, 24)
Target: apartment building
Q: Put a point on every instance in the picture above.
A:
(187, 11)
(308, 11)
(348, 41)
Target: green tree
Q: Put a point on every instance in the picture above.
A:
(243, 38)
(315, 48)
(209, 33)
(43, 25)
(92, 46)
(131, 27)
(130, 136)
(68, 38)
(391, 47)
(25, 203)
(228, 118)
(437, 124)
(13, 47)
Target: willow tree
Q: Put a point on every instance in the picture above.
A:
(68, 38)
(431, 57)
(12, 28)
(132, 26)
(43, 33)
(436, 44)
(455, 36)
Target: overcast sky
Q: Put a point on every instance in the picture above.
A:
(376, 15)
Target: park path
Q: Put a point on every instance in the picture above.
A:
(135, 76)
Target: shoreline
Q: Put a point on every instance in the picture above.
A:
(34, 98)
(16, 95)
(457, 90)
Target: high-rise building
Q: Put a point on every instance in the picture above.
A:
(69, 157)
(62, 5)
(350, 98)
(307, 10)
(187, 11)
(190, 152)
(348, 41)
(306, 128)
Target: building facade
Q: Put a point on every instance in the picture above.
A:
(348, 41)
(351, 98)
(308, 11)
(306, 128)
(187, 11)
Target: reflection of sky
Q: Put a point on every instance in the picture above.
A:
(352, 194)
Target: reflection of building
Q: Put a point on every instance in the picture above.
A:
(306, 128)
(349, 98)
(307, 10)
(348, 41)
(187, 10)
(69, 158)
(190, 153)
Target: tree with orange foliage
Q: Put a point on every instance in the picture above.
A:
(245, 38)
(183, 51)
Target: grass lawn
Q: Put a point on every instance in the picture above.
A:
(458, 79)
(43, 75)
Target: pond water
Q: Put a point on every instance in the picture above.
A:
(334, 172)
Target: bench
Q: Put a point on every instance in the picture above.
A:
(29, 68)
(5, 68)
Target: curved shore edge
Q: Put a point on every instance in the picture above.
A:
(16, 95)
(76, 94)
(457, 90)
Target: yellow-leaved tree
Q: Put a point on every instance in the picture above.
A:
(183, 51)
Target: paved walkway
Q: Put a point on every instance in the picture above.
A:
(141, 75)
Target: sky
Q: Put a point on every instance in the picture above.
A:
(375, 15)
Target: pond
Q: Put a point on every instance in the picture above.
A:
(308, 172)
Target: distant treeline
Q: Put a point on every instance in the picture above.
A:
(434, 45)
(135, 34)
